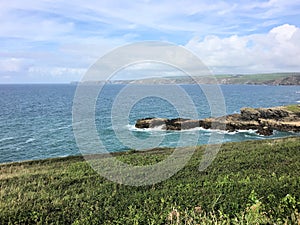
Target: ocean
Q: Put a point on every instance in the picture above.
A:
(36, 119)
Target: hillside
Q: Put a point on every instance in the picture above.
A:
(254, 79)
(253, 182)
(262, 79)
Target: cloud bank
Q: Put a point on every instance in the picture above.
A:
(276, 51)
(57, 41)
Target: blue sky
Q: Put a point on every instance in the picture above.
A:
(45, 41)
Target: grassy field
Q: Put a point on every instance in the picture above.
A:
(260, 77)
(263, 79)
(255, 78)
(252, 182)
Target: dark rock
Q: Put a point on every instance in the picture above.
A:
(291, 80)
(167, 124)
(260, 119)
(270, 113)
(250, 114)
(175, 124)
(150, 122)
(190, 124)
(266, 131)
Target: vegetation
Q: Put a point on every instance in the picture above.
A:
(293, 108)
(253, 182)
(292, 78)
(257, 78)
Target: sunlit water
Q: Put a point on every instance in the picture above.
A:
(36, 120)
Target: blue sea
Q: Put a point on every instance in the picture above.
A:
(36, 119)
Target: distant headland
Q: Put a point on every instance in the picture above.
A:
(250, 79)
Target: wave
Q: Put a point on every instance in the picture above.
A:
(64, 127)
(7, 139)
(257, 136)
(133, 128)
(250, 131)
(160, 128)
(61, 128)
(29, 140)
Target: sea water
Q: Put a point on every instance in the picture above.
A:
(36, 119)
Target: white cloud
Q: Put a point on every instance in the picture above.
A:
(43, 20)
(52, 35)
(277, 50)
(5, 77)
(144, 70)
(57, 72)
(284, 33)
(11, 65)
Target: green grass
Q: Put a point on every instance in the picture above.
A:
(293, 108)
(253, 182)
(265, 78)
(256, 78)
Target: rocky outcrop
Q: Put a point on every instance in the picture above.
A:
(150, 122)
(291, 80)
(264, 120)
(168, 124)
(277, 113)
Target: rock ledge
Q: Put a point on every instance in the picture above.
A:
(264, 120)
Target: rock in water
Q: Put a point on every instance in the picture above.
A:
(150, 122)
(266, 131)
(264, 120)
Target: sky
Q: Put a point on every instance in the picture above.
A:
(56, 41)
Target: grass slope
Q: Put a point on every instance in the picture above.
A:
(271, 76)
(253, 182)
(258, 78)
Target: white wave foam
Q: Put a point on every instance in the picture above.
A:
(133, 128)
(61, 128)
(160, 128)
(64, 127)
(6, 139)
(258, 136)
(191, 130)
(216, 131)
(250, 131)
(29, 140)
(298, 101)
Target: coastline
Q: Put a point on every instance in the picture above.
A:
(263, 120)
(269, 79)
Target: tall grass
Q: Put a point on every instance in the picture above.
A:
(252, 182)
